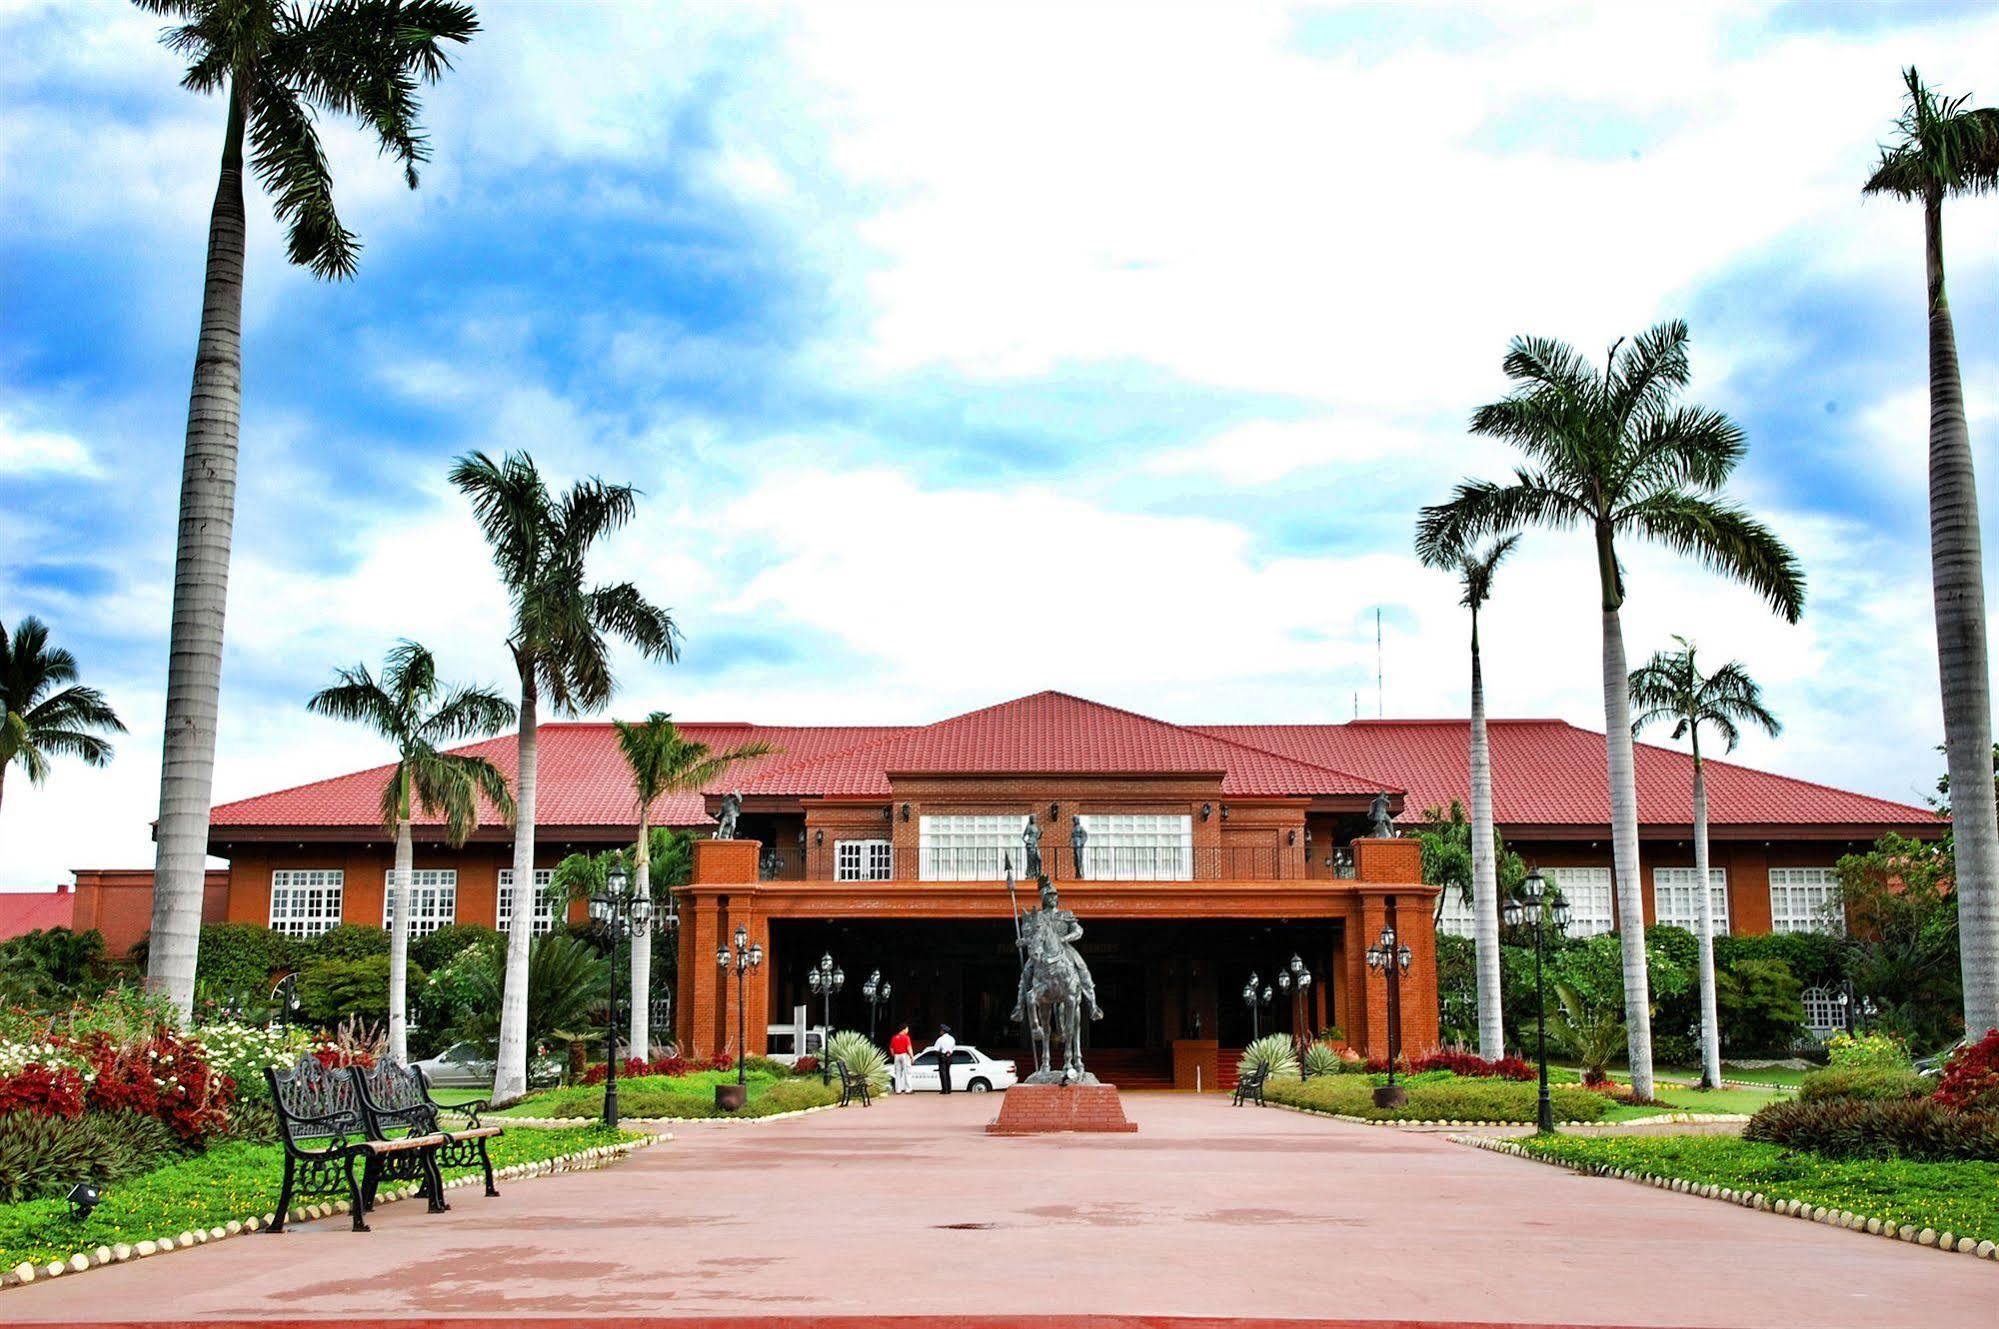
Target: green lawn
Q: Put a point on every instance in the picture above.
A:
(1436, 1096)
(229, 1182)
(1679, 1099)
(680, 1096)
(1952, 1197)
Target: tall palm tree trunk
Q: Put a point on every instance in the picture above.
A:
(510, 1074)
(201, 589)
(1622, 763)
(1710, 1018)
(1957, 577)
(1484, 870)
(642, 940)
(399, 943)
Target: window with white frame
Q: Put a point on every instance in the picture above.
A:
(1805, 900)
(1457, 913)
(971, 848)
(305, 902)
(1824, 1015)
(1675, 901)
(1589, 892)
(1125, 846)
(433, 899)
(863, 860)
(545, 913)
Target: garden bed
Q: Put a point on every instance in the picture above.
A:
(1954, 1205)
(1437, 1097)
(677, 1098)
(229, 1189)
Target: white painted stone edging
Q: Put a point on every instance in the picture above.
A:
(1661, 1119)
(583, 1160)
(1405, 1124)
(1840, 1218)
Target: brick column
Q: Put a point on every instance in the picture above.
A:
(723, 870)
(1385, 869)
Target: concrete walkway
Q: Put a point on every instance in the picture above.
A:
(909, 1209)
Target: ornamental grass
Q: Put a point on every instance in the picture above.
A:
(1436, 1096)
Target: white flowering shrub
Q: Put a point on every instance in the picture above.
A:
(242, 1051)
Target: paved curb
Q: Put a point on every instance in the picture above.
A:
(1662, 1119)
(583, 1160)
(1840, 1218)
(664, 1121)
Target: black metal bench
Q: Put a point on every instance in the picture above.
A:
(1249, 1088)
(853, 1086)
(324, 1135)
(397, 1098)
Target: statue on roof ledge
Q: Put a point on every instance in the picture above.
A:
(1379, 826)
(725, 820)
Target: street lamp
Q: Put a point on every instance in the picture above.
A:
(877, 994)
(1532, 910)
(1294, 981)
(1390, 957)
(1256, 996)
(824, 981)
(618, 914)
(747, 957)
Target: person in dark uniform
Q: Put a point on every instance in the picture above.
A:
(944, 1046)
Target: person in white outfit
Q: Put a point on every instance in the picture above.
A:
(945, 1046)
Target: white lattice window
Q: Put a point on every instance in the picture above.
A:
(1126, 846)
(1590, 892)
(305, 902)
(1455, 918)
(1675, 902)
(545, 913)
(433, 898)
(972, 848)
(1824, 1014)
(1805, 900)
(863, 860)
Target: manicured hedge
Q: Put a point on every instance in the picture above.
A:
(1855, 1128)
(685, 1098)
(1881, 1083)
(1446, 1098)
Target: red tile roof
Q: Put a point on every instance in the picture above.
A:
(1545, 772)
(1551, 773)
(22, 912)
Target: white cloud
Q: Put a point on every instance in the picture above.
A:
(23, 450)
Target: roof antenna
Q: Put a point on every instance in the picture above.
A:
(1379, 710)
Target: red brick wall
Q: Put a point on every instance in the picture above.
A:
(118, 902)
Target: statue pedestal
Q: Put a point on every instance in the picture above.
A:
(1044, 1109)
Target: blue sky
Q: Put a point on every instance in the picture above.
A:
(964, 352)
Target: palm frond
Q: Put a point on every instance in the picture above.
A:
(1480, 509)
(1689, 445)
(357, 697)
(1941, 148)
(1476, 570)
(75, 707)
(1725, 539)
(287, 156)
(1647, 372)
(623, 611)
(467, 712)
(87, 748)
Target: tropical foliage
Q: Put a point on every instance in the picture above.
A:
(861, 1056)
(1276, 1052)
(44, 712)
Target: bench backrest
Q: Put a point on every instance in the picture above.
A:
(315, 1102)
(1257, 1074)
(847, 1076)
(394, 1096)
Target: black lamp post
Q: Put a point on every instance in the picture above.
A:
(619, 915)
(1255, 995)
(877, 994)
(1389, 956)
(285, 995)
(1533, 910)
(746, 958)
(824, 981)
(1294, 981)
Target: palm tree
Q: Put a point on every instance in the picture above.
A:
(1475, 570)
(1613, 452)
(279, 64)
(1945, 149)
(418, 715)
(558, 642)
(662, 761)
(36, 723)
(1671, 688)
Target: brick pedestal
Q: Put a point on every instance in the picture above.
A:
(1043, 1109)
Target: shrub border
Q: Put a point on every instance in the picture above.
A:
(1840, 1218)
(1661, 1119)
(559, 1122)
(583, 1160)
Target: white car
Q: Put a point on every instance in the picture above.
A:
(469, 1065)
(972, 1071)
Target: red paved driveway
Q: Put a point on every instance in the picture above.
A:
(909, 1208)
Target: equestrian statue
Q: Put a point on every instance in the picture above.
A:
(1055, 985)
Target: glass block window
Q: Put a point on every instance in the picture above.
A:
(545, 912)
(863, 860)
(1824, 1016)
(1138, 846)
(1457, 915)
(433, 898)
(1590, 893)
(1805, 900)
(305, 902)
(1675, 903)
(971, 848)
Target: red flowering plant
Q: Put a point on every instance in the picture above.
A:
(1459, 1062)
(673, 1065)
(1970, 1080)
(44, 1074)
(166, 1076)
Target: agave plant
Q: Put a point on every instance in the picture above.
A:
(861, 1056)
(1322, 1059)
(1273, 1050)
